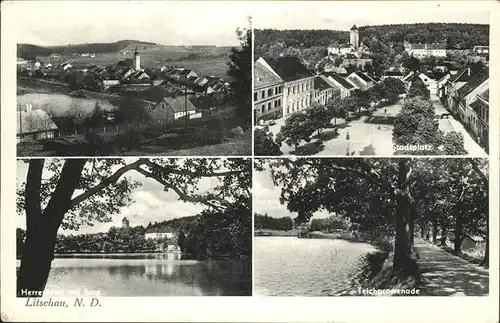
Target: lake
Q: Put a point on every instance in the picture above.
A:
(289, 266)
(149, 275)
(60, 104)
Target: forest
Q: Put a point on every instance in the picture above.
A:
(393, 199)
(456, 36)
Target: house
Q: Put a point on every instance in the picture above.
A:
(267, 94)
(35, 124)
(139, 76)
(425, 50)
(124, 73)
(298, 82)
(65, 66)
(472, 242)
(467, 94)
(361, 80)
(429, 82)
(441, 87)
(396, 74)
(172, 109)
(201, 81)
(106, 84)
(481, 49)
(481, 107)
(353, 47)
(324, 90)
(159, 233)
(186, 74)
(345, 86)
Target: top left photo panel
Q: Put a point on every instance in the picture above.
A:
(133, 79)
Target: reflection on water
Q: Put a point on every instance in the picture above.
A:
(150, 275)
(288, 266)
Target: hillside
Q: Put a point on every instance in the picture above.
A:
(175, 224)
(29, 51)
(455, 35)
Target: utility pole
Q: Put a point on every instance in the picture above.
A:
(186, 100)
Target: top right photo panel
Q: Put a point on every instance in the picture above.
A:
(340, 80)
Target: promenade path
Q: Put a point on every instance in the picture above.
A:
(444, 274)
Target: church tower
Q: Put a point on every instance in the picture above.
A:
(137, 60)
(125, 223)
(354, 37)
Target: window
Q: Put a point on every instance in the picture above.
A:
(263, 108)
(270, 92)
(288, 91)
(269, 106)
(263, 94)
(255, 96)
(294, 89)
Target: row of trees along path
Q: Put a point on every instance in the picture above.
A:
(391, 199)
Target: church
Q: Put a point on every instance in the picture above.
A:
(354, 47)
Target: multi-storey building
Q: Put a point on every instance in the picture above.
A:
(298, 82)
(268, 93)
(481, 107)
(426, 50)
(324, 90)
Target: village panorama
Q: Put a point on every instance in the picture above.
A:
(134, 97)
(399, 89)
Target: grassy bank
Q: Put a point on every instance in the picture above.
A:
(276, 233)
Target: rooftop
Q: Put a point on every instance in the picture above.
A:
(364, 77)
(339, 79)
(34, 121)
(473, 83)
(264, 77)
(428, 46)
(320, 84)
(289, 68)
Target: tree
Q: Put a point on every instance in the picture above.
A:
(415, 125)
(418, 88)
(96, 117)
(264, 144)
(240, 69)
(318, 116)
(412, 63)
(336, 109)
(362, 99)
(181, 240)
(298, 127)
(80, 191)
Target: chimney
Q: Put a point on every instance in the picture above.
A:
(28, 108)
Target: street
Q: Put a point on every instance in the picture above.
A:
(372, 138)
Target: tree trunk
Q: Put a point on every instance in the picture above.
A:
(434, 230)
(457, 243)
(444, 236)
(411, 225)
(42, 227)
(402, 240)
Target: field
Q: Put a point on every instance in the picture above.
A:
(209, 61)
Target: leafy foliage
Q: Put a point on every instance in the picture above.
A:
(418, 88)
(263, 221)
(298, 127)
(264, 144)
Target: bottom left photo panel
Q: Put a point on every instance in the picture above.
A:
(91, 227)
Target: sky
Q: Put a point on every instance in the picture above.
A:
(164, 22)
(342, 15)
(266, 198)
(150, 202)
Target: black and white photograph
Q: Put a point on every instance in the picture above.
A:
(133, 227)
(150, 79)
(371, 227)
(336, 83)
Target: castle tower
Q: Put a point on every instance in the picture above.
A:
(125, 223)
(354, 40)
(137, 60)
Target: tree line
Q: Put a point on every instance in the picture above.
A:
(263, 221)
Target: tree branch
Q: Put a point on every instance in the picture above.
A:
(182, 195)
(106, 182)
(475, 166)
(152, 165)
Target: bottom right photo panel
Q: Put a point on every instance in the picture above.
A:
(371, 227)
